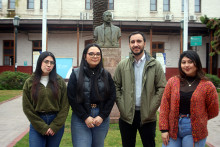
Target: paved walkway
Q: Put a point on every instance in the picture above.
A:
(213, 139)
(14, 124)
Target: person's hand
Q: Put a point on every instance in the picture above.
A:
(89, 122)
(165, 138)
(49, 132)
(97, 121)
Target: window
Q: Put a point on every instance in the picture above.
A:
(41, 4)
(111, 5)
(37, 45)
(157, 47)
(30, 4)
(88, 42)
(153, 5)
(0, 4)
(197, 6)
(11, 4)
(89, 4)
(166, 5)
(8, 52)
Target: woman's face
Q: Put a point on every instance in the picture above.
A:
(188, 67)
(93, 56)
(47, 65)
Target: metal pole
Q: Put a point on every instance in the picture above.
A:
(181, 41)
(186, 13)
(16, 32)
(151, 41)
(77, 45)
(44, 25)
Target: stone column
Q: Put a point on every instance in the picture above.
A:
(111, 58)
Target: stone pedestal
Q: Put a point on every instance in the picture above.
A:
(111, 58)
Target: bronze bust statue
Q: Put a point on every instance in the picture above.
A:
(107, 35)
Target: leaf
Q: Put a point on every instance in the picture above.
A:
(211, 53)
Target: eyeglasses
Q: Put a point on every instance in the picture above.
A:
(47, 62)
(92, 54)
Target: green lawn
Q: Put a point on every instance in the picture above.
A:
(7, 94)
(219, 99)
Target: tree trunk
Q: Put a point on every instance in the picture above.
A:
(99, 6)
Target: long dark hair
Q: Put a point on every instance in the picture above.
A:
(99, 67)
(38, 73)
(192, 55)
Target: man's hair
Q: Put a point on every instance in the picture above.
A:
(137, 32)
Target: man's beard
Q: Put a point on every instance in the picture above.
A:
(136, 54)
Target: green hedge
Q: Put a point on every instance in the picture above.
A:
(215, 80)
(12, 80)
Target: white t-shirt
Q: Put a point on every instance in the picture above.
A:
(44, 80)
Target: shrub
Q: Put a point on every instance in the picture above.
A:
(12, 80)
(215, 80)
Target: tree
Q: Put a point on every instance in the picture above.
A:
(99, 6)
(213, 24)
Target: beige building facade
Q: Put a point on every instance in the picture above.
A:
(69, 29)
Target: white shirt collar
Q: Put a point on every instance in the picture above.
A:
(139, 61)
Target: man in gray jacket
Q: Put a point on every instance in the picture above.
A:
(140, 82)
(107, 34)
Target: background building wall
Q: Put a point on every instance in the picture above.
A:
(24, 49)
(123, 10)
(64, 44)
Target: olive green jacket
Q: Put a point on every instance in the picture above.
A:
(153, 84)
(45, 103)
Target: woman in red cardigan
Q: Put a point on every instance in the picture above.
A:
(188, 102)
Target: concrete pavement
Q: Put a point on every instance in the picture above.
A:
(14, 124)
(213, 139)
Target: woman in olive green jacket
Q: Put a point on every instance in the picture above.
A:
(45, 103)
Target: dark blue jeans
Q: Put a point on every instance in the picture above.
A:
(82, 136)
(38, 140)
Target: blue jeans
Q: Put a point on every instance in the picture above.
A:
(184, 136)
(38, 140)
(82, 136)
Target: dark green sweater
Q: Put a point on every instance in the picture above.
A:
(45, 103)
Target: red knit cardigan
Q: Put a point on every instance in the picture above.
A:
(204, 106)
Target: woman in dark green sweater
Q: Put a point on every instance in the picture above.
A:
(45, 103)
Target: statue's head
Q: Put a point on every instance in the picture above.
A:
(107, 16)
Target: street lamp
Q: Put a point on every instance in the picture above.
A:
(16, 21)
